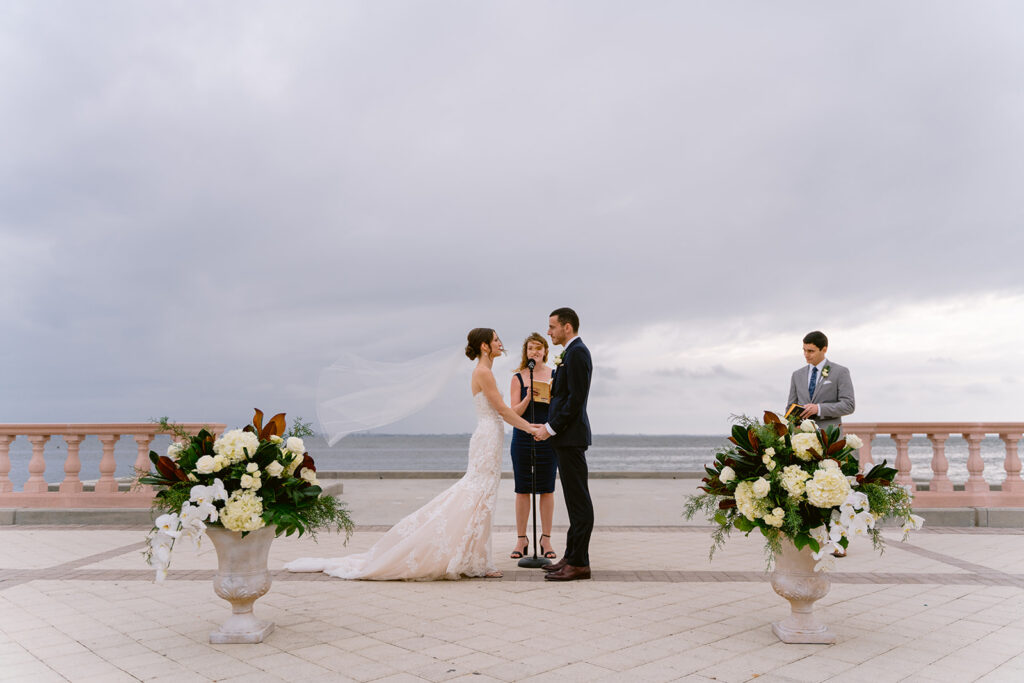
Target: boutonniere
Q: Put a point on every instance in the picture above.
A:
(824, 371)
(558, 360)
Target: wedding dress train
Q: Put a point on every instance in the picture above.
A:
(449, 537)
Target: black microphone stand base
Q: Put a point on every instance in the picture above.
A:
(534, 562)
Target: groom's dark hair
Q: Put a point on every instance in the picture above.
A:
(567, 315)
(817, 338)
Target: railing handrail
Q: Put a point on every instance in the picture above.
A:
(105, 428)
(933, 427)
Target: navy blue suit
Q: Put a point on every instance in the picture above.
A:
(567, 416)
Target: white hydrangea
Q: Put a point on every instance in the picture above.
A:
(804, 443)
(793, 478)
(236, 445)
(827, 488)
(747, 503)
(243, 512)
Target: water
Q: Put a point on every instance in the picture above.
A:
(610, 453)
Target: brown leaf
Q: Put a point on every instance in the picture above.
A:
(754, 443)
(169, 469)
(836, 447)
(275, 427)
(257, 420)
(771, 418)
(737, 443)
(781, 429)
(726, 503)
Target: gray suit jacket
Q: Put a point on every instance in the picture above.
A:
(833, 394)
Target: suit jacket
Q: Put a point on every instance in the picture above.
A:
(570, 388)
(833, 394)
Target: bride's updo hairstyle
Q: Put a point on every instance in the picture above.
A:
(476, 337)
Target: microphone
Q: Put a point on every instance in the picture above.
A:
(531, 364)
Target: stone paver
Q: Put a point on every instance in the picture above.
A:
(77, 603)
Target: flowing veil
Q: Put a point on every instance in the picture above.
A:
(355, 394)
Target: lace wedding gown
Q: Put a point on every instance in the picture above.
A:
(449, 537)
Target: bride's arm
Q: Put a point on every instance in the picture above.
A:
(490, 388)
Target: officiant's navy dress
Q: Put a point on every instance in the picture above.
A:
(521, 449)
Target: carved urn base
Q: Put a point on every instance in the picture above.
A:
(794, 578)
(242, 577)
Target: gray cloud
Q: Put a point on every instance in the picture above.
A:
(201, 205)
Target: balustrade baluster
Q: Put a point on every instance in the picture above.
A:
(903, 464)
(864, 454)
(5, 462)
(975, 465)
(142, 459)
(940, 464)
(72, 465)
(37, 466)
(1013, 481)
(108, 465)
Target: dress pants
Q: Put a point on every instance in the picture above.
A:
(572, 470)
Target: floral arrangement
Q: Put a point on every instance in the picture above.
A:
(246, 479)
(790, 478)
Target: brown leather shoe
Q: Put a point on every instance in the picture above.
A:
(569, 573)
(555, 567)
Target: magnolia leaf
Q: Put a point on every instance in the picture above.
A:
(771, 418)
(836, 447)
(257, 419)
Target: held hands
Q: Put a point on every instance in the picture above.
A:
(540, 433)
(809, 410)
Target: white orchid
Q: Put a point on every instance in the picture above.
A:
(168, 524)
(913, 523)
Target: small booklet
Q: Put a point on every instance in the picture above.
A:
(541, 392)
(794, 410)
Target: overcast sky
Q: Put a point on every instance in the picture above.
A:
(203, 204)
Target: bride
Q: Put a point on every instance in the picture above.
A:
(449, 537)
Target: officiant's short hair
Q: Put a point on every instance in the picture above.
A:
(817, 338)
(567, 315)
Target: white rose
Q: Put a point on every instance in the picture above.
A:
(249, 482)
(310, 476)
(251, 467)
(769, 452)
(174, 450)
(295, 445)
(276, 439)
(275, 469)
(807, 426)
(205, 465)
(219, 463)
(761, 487)
(853, 441)
(727, 475)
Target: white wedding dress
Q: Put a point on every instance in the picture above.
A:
(449, 537)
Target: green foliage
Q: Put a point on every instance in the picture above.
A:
(300, 429)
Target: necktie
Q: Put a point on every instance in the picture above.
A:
(814, 381)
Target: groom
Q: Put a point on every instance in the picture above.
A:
(569, 431)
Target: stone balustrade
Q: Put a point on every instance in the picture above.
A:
(940, 491)
(72, 493)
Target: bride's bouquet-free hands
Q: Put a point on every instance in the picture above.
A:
(247, 479)
(790, 478)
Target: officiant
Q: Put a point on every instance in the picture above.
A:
(532, 402)
(822, 389)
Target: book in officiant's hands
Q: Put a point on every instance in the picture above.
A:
(542, 392)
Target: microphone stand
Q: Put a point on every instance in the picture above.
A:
(534, 562)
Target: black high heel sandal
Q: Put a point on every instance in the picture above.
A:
(516, 554)
(549, 554)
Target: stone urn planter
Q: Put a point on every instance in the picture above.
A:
(794, 578)
(242, 577)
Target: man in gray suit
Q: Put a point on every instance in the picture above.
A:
(822, 387)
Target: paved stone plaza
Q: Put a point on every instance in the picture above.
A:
(77, 603)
